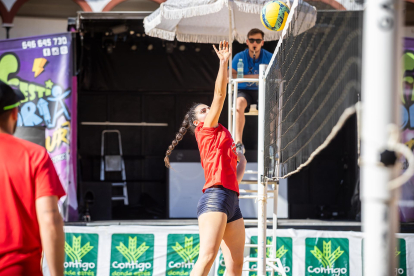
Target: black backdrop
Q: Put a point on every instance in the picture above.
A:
(155, 83)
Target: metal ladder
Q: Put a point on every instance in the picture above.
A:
(232, 102)
(114, 163)
(262, 193)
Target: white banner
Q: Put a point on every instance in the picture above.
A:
(159, 251)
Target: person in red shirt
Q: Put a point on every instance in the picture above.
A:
(29, 193)
(219, 217)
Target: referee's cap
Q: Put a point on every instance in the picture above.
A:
(9, 97)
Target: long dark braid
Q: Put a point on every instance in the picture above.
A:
(185, 125)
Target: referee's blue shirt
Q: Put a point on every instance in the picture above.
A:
(251, 68)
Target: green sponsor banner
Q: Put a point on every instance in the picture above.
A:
(222, 266)
(283, 252)
(132, 254)
(401, 254)
(81, 254)
(327, 256)
(182, 253)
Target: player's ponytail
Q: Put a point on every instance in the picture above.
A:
(185, 125)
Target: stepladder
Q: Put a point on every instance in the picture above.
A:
(114, 163)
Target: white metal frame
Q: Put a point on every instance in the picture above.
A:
(233, 90)
(382, 26)
(262, 193)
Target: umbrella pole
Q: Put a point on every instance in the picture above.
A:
(230, 91)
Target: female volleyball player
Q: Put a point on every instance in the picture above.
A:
(219, 217)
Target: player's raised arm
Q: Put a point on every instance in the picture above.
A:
(213, 116)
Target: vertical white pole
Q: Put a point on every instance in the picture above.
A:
(275, 196)
(381, 81)
(278, 169)
(261, 235)
(235, 93)
(230, 92)
(230, 100)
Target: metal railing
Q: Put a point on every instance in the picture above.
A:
(262, 193)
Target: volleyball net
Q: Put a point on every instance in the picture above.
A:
(311, 88)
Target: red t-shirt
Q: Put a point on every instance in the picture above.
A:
(26, 174)
(218, 156)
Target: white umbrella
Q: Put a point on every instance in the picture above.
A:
(210, 21)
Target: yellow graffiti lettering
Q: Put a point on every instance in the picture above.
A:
(408, 65)
(9, 64)
(60, 136)
(410, 144)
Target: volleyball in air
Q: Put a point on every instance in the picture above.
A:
(274, 15)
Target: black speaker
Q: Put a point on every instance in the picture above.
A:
(97, 200)
(33, 134)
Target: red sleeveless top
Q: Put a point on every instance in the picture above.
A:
(218, 156)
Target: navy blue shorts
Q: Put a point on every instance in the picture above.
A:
(220, 199)
(251, 97)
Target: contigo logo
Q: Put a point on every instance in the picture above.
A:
(327, 258)
(76, 253)
(398, 270)
(132, 254)
(187, 254)
(280, 252)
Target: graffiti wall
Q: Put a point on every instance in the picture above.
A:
(41, 68)
(407, 100)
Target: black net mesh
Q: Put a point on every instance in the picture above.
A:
(314, 79)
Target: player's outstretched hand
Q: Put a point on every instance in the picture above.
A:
(223, 52)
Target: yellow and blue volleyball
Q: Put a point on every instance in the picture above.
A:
(274, 15)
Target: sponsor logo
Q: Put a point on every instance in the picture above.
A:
(132, 254)
(182, 253)
(283, 252)
(401, 255)
(222, 265)
(81, 257)
(327, 256)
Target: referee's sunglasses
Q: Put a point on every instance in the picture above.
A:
(258, 41)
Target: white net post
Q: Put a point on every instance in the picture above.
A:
(234, 123)
(277, 164)
(274, 241)
(261, 235)
(382, 49)
(230, 92)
